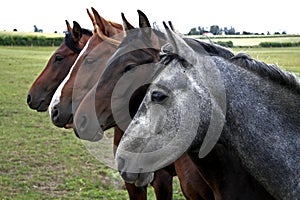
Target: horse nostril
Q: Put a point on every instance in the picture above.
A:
(55, 114)
(121, 164)
(82, 123)
(29, 98)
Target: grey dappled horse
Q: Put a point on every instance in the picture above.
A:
(196, 101)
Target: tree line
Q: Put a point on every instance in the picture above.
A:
(216, 30)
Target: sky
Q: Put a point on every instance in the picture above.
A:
(252, 16)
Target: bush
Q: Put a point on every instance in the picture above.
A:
(279, 44)
(29, 40)
(225, 43)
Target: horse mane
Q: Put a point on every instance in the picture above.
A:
(210, 48)
(87, 32)
(116, 25)
(271, 71)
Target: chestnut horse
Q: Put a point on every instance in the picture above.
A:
(83, 76)
(140, 47)
(58, 66)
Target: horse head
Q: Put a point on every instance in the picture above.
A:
(170, 116)
(58, 66)
(86, 70)
(128, 66)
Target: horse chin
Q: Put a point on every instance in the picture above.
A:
(68, 126)
(95, 138)
(138, 179)
(92, 138)
(42, 107)
(144, 179)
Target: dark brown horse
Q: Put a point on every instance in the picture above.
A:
(58, 66)
(85, 72)
(139, 48)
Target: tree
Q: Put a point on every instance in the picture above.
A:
(214, 29)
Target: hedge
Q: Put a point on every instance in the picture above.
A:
(19, 40)
(225, 43)
(279, 44)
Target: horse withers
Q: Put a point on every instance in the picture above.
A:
(205, 105)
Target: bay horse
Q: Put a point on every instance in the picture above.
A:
(86, 70)
(58, 66)
(140, 47)
(248, 107)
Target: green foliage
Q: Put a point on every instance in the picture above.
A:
(251, 40)
(279, 44)
(12, 39)
(228, 44)
(37, 159)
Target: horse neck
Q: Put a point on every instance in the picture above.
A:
(262, 128)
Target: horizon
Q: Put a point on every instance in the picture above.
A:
(255, 16)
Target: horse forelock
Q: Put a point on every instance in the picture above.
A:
(271, 71)
(70, 42)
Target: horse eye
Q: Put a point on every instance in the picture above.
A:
(129, 67)
(158, 97)
(58, 58)
(89, 61)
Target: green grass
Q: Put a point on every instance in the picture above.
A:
(40, 161)
(286, 58)
(252, 40)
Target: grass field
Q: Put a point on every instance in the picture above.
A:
(40, 161)
(251, 40)
(31, 34)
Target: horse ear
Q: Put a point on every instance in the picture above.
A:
(180, 47)
(171, 26)
(69, 28)
(91, 16)
(143, 20)
(76, 31)
(127, 26)
(104, 26)
(98, 20)
(144, 24)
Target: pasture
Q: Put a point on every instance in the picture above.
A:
(251, 40)
(40, 161)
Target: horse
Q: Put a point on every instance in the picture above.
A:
(85, 71)
(63, 58)
(85, 122)
(198, 102)
(87, 68)
(58, 66)
(139, 48)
